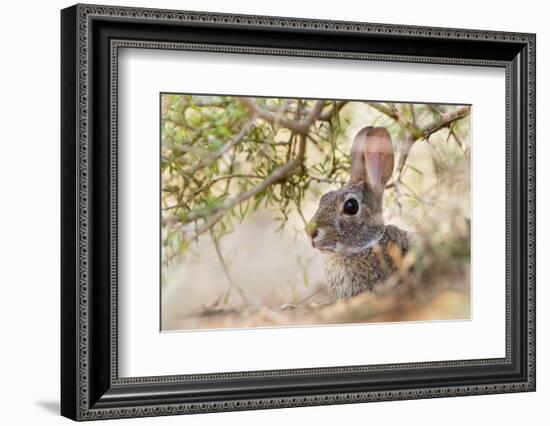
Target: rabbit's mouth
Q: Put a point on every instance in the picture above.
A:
(323, 248)
(316, 239)
(329, 251)
(326, 249)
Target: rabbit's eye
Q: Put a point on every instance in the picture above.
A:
(351, 206)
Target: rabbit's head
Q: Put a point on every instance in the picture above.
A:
(349, 219)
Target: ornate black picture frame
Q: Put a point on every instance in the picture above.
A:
(90, 38)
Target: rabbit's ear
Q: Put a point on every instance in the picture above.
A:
(372, 158)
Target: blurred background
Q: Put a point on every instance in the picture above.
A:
(242, 176)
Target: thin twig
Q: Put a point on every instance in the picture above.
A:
(446, 119)
(277, 175)
(294, 125)
(232, 284)
(209, 184)
(211, 159)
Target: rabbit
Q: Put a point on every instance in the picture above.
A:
(359, 250)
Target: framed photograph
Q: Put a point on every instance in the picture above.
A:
(263, 212)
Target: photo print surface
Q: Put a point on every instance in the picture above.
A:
(297, 212)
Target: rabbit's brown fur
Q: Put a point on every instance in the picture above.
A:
(360, 250)
(349, 275)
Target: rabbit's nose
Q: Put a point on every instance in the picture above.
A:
(314, 233)
(312, 230)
